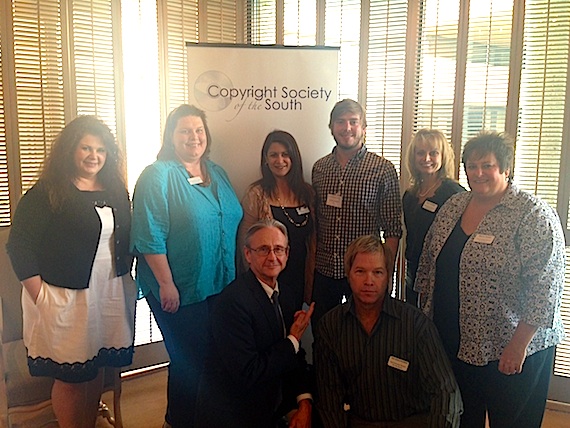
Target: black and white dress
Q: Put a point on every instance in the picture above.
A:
(71, 333)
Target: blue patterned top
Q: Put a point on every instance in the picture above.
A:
(519, 276)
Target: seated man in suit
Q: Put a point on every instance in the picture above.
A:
(379, 362)
(256, 372)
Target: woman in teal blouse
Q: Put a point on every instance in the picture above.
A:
(185, 220)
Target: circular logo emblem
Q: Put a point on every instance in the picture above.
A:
(208, 90)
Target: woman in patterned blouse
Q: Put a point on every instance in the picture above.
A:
(491, 276)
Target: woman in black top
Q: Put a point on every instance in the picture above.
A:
(430, 162)
(69, 246)
(282, 193)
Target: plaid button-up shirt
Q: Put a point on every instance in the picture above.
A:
(371, 204)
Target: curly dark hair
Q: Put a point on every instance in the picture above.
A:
(59, 170)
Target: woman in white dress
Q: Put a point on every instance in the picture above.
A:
(69, 247)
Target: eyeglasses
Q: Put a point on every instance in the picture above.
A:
(264, 250)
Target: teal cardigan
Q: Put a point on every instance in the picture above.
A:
(195, 226)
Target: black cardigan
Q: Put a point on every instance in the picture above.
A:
(61, 246)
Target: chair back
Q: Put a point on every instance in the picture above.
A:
(24, 400)
(11, 292)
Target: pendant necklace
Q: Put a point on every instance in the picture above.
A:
(303, 223)
(424, 193)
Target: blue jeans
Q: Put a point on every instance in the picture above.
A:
(185, 336)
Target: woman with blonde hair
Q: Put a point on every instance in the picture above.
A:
(430, 162)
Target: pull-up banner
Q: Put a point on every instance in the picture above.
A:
(249, 91)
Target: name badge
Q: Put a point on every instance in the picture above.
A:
(195, 180)
(481, 238)
(303, 210)
(398, 363)
(334, 200)
(429, 206)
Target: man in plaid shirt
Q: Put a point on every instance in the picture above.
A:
(357, 194)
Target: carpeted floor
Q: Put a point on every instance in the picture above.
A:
(143, 403)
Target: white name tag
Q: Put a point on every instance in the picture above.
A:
(195, 180)
(398, 363)
(334, 200)
(481, 238)
(303, 210)
(429, 206)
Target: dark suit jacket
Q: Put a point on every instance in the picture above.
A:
(250, 367)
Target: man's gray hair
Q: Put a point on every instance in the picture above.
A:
(262, 224)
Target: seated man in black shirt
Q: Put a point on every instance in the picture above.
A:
(378, 361)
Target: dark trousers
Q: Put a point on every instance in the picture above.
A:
(511, 401)
(185, 336)
(327, 293)
(411, 296)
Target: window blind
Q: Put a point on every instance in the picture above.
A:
(262, 27)
(178, 24)
(38, 62)
(222, 21)
(436, 68)
(487, 69)
(94, 59)
(385, 77)
(542, 104)
(300, 17)
(541, 101)
(342, 28)
(4, 187)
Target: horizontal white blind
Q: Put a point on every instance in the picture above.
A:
(562, 360)
(94, 59)
(542, 104)
(222, 20)
(435, 74)
(39, 81)
(300, 19)
(181, 22)
(262, 22)
(487, 69)
(385, 84)
(342, 29)
(4, 189)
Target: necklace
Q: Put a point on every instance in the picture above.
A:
(424, 193)
(303, 223)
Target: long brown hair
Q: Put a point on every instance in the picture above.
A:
(294, 178)
(59, 170)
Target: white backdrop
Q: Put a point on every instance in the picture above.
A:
(249, 91)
